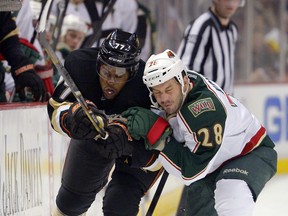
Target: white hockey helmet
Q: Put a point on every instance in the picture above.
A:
(73, 22)
(161, 68)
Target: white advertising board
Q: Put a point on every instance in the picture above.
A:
(269, 103)
(30, 165)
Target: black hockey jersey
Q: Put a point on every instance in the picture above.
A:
(82, 67)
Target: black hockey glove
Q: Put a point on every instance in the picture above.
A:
(118, 143)
(79, 126)
(26, 77)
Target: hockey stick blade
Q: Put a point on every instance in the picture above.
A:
(64, 73)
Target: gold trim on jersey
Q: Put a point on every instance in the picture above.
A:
(10, 34)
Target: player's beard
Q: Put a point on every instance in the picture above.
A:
(172, 106)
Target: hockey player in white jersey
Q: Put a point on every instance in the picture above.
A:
(206, 138)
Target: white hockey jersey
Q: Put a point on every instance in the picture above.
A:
(210, 129)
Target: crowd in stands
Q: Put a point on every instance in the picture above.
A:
(71, 24)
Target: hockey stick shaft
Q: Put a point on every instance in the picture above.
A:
(61, 69)
(59, 23)
(35, 30)
(98, 25)
(157, 193)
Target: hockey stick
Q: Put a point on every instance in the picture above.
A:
(38, 20)
(61, 69)
(60, 18)
(157, 193)
(98, 24)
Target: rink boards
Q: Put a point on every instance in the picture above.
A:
(269, 103)
(32, 154)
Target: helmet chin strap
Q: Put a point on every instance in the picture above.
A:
(153, 100)
(184, 93)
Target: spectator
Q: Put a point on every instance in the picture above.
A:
(22, 68)
(122, 16)
(26, 22)
(72, 35)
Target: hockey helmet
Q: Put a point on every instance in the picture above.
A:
(161, 68)
(73, 22)
(121, 49)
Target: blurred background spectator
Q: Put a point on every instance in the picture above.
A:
(21, 61)
(262, 27)
(256, 22)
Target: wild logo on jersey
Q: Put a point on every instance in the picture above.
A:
(202, 105)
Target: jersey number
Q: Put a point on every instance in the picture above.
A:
(216, 135)
(120, 46)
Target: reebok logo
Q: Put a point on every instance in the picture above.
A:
(236, 170)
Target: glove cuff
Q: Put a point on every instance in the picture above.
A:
(157, 130)
(65, 125)
(44, 71)
(23, 69)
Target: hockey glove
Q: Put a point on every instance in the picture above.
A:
(143, 123)
(118, 142)
(78, 124)
(26, 77)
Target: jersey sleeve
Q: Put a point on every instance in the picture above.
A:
(58, 106)
(61, 100)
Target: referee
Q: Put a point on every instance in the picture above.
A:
(209, 42)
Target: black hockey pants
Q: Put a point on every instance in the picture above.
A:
(86, 172)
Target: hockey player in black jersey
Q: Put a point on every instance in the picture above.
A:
(110, 79)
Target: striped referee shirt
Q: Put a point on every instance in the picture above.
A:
(209, 48)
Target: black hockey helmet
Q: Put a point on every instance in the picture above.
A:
(121, 49)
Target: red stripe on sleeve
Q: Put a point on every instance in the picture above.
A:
(157, 130)
(254, 141)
